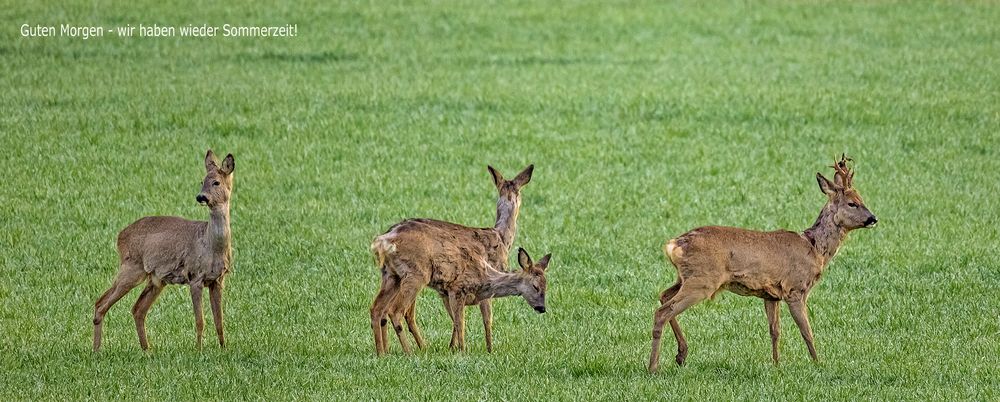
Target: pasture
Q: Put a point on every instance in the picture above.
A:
(643, 120)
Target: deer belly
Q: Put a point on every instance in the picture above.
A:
(171, 271)
(763, 292)
(174, 278)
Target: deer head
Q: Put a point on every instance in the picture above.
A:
(531, 279)
(848, 209)
(510, 190)
(218, 183)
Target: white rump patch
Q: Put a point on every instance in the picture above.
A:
(673, 251)
(383, 244)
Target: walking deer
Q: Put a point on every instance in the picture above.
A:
(162, 250)
(457, 261)
(774, 266)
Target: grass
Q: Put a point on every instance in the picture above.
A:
(643, 119)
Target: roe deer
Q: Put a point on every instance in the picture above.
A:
(465, 283)
(166, 250)
(419, 252)
(774, 266)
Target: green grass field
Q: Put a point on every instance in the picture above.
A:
(644, 120)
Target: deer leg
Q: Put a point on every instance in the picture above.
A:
(682, 346)
(199, 317)
(670, 292)
(411, 323)
(799, 314)
(458, 322)
(396, 316)
(451, 314)
(384, 330)
(129, 276)
(215, 298)
(684, 298)
(377, 326)
(378, 311)
(380, 320)
(141, 308)
(460, 313)
(674, 325)
(771, 308)
(401, 302)
(486, 309)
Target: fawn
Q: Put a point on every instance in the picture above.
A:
(455, 260)
(162, 250)
(774, 266)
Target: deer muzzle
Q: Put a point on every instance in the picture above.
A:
(201, 198)
(872, 220)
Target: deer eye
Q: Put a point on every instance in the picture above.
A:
(852, 205)
(216, 183)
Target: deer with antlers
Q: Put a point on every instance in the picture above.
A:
(465, 265)
(774, 266)
(162, 250)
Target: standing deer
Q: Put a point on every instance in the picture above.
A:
(165, 250)
(774, 266)
(448, 257)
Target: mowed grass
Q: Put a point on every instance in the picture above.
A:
(643, 120)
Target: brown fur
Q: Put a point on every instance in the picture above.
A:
(162, 250)
(466, 265)
(774, 266)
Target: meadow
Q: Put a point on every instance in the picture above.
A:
(643, 120)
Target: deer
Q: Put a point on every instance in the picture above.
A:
(468, 283)
(775, 266)
(162, 250)
(450, 258)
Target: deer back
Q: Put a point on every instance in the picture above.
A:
(447, 254)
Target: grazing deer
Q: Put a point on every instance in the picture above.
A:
(164, 250)
(421, 252)
(774, 266)
(466, 283)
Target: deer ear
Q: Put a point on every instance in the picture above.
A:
(210, 164)
(544, 262)
(523, 259)
(228, 165)
(524, 177)
(825, 185)
(497, 177)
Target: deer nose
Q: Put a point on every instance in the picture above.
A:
(871, 221)
(201, 198)
(540, 309)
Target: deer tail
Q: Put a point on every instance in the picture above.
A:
(673, 251)
(380, 248)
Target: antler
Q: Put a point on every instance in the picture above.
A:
(844, 176)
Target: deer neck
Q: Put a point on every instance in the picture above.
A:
(506, 223)
(499, 284)
(825, 235)
(218, 232)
